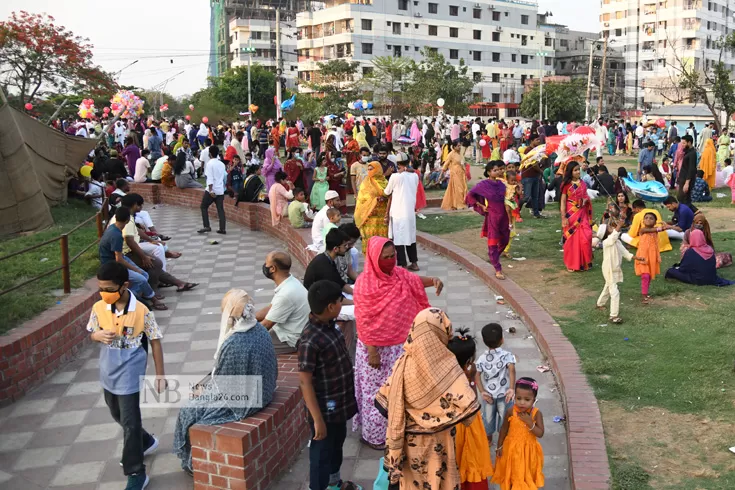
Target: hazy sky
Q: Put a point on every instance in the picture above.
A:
(157, 32)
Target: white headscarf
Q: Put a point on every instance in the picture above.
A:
(238, 315)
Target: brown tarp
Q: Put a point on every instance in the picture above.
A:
(36, 162)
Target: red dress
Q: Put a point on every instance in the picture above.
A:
(578, 232)
(292, 139)
(335, 183)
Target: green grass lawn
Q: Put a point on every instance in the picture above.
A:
(676, 354)
(30, 300)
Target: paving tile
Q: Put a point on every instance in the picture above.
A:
(78, 474)
(84, 388)
(83, 452)
(64, 419)
(37, 458)
(60, 436)
(33, 407)
(99, 432)
(14, 441)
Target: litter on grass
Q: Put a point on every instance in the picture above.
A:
(519, 259)
(559, 419)
(543, 369)
(44, 259)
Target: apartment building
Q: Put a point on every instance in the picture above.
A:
(498, 39)
(659, 36)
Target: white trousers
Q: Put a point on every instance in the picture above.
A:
(611, 292)
(675, 235)
(157, 251)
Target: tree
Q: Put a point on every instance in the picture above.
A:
(229, 93)
(37, 56)
(434, 78)
(386, 78)
(563, 101)
(336, 81)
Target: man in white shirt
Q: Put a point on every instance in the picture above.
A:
(402, 188)
(204, 155)
(511, 156)
(335, 131)
(321, 220)
(476, 139)
(216, 173)
(82, 131)
(288, 312)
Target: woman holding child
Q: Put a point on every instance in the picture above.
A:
(576, 212)
(387, 299)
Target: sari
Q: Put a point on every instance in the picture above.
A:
(385, 306)
(506, 137)
(578, 232)
(271, 166)
(425, 397)
(487, 198)
(275, 139)
(369, 211)
(708, 163)
(334, 168)
(293, 169)
(698, 264)
(292, 138)
(457, 188)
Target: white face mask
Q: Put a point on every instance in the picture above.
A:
(365, 159)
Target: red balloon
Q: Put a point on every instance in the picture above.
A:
(661, 123)
(188, 117)
(29, 106)
(106, 110)
(205, 119)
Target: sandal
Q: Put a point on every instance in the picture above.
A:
(157, 305)
(413, 267)
(187, 287)
(616, 320)
(159, 297)
(347, 485)
(599, 307)
(646, 300)
(173, 255)
(164, 238)
(499, 275)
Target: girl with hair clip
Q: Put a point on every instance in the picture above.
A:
(519, 458)
(472, 447)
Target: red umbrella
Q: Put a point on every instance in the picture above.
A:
(552, 143)
(584, 130)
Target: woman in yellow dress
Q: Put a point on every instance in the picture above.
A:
(371, 206)
(708, 163)
(457, 188)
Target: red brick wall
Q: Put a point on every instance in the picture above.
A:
(34, 350)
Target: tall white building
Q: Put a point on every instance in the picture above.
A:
(498, 39)
(659, 36)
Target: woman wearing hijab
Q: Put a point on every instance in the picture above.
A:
(271, 166)
(335, 172)
(387, 299)
(722, 259)
(371, 205)
(425, 397)
(358, 132)
(708, 163)
(179, 144)
(698, 265)
(244, 349)
(415, 134)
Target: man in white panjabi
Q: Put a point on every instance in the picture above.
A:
(402, 188)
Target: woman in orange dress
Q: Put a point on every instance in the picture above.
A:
(506, 137)
(576, 218)
(519, 459)
(276, 137)
(457, 188)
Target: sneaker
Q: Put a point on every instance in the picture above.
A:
(150, 449)
(138, 481)
(204, 230)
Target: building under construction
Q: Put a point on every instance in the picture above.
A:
(261, 16)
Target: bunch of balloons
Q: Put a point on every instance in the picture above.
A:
(126, 104)
(87, 109)
(163, 108)
(360, 105)
(106, 110)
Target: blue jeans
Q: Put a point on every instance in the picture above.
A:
(325, 456)
(493, 415)
(139, 282)
(530, 193)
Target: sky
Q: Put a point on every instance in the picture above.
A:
(167, 37)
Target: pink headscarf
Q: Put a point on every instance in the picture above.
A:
(415, 133)
(386, 305)
(698, 243)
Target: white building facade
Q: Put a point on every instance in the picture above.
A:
(498, 39)
(657, 37)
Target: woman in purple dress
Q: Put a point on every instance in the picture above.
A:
(488, 199)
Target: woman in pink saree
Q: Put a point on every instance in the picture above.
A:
(576, 213)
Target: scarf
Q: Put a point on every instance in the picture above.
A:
(427, 391)
(698, 243)
(238, 315)
(370, 190)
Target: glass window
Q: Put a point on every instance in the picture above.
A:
(453, 32)
(433, 8)
(453, 54)
(433, 30)
(476, 34)
(367, 48)
(402, 4)
(367, 24)
(453, 10)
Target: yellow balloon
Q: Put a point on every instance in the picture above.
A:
(364, 104)
(86, 171)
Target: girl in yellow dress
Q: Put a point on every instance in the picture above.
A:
(472, 447)
(519, 458)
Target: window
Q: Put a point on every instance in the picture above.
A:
(496, 77)
(496, 98)
(524, 59)
(524, 19)
(397, 51)
(513, 58)
(367, 70)
(477, 55)
(496, 57)
(453, 10)
(402, 4)
(433, 8)
(547, 41)
(396, 28)
(433, 50)
(496, 16)
(367, 48)
(477, 75)
(453, 54)
(547, 61)
(496, 37)
(367, 24)
(432, 30)
(477, 34)
(618, 32)
(524, 40)
(476, 13)
(453, 32)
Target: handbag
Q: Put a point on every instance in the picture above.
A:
(381, 482)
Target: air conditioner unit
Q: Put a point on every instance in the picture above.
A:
(607, 24)
(547, 34)
(499, 29)
(417, 14)
(478, 6)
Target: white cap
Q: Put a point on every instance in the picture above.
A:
(601, 232)
(331, 195)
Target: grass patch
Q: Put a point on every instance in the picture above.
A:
(28, 301)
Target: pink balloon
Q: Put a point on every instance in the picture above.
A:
(661, 123)
(483, 143)
(188, 117)
(29, 106)
(205, 119)
(106, 110)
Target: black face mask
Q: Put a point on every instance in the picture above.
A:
(267, 272)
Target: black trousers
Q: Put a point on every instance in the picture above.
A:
(413, 256)
(219, 201)
(325, 456)
(125, 409)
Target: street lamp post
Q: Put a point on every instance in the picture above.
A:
(541, 55)
(249, 50)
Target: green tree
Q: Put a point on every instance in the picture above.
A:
(563, 101)
(229, 93)
(336, 81)
(386, 79)
(433, 78)
(308, 108)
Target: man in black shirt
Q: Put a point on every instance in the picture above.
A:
(687, 172)
(605, 181)
(315, 136)
(114, 167)
(324, 267)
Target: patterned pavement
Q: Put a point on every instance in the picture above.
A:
(61, 435)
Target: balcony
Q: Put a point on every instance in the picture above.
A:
(335, 11)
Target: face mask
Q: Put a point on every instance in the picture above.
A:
(365, 159)
(387, 265)
(110, 297)
(267, 272)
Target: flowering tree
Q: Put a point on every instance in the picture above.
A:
(36, 56)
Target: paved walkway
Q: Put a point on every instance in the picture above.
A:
(61, 435)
